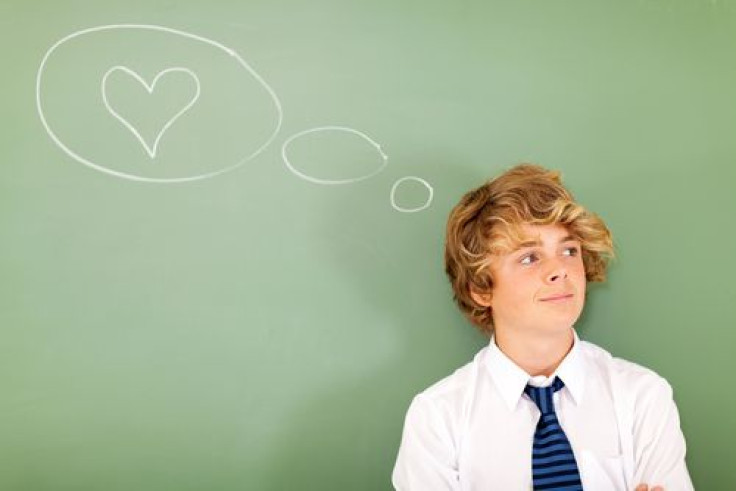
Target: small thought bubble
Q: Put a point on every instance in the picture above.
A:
(402, 182)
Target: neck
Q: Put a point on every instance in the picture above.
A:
(534, 354)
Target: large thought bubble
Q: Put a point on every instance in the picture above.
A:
(154, 104)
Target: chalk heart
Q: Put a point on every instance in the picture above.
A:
(169, 73)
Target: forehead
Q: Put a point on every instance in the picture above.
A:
(543, 233)
(527, 235)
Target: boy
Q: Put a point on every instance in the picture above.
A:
(537, 408)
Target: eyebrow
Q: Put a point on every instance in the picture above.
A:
(536, 243)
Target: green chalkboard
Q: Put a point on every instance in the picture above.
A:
(221, 223)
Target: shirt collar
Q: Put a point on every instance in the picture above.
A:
(572, 371)
(511, 379)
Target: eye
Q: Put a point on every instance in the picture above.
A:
(528, 259)
(572, 251)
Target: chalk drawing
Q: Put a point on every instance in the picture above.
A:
(418, 208)
(150, 149)
(316, 180)
(100, 167)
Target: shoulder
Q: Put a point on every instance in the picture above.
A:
(447, 396)
(458, 382)
(636, 380)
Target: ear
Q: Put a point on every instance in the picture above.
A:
(483, 299)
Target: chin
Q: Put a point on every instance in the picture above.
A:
(562, 323)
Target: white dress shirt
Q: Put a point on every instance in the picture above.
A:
(474, 429)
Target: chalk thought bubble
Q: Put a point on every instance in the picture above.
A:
(154, 104)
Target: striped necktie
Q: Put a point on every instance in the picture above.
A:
(553, 462)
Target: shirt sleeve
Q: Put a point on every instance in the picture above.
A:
(427, 458)
(659, 445)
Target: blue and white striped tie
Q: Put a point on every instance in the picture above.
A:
(553, 462)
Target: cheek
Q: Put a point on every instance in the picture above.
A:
(579, 276)
(580, 283)
(514, 296)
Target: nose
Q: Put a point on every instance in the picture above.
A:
(557, 272)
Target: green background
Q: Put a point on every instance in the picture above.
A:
(258, 331)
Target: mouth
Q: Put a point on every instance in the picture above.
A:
(558, 298)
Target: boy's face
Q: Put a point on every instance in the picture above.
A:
(540, 287)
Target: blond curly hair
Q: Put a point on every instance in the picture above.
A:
(487, 222)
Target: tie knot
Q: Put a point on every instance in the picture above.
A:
(542, 396)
